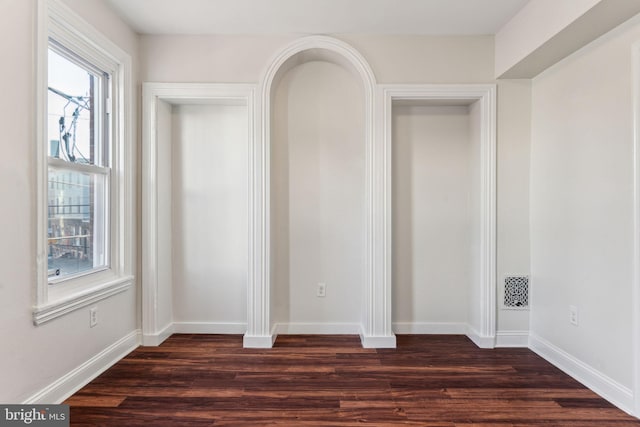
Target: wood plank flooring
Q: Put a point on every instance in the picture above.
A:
(432, 380)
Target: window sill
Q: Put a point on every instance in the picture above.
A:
(72, 302)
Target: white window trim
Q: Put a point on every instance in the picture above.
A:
(57, 21)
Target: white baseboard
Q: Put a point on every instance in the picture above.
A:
(258, 341)
(481, 341)
(512, 339)
(335, 329)
(154, 340)
(209, 328)
(430, 328)
(370, 341)
(455, 328)
(299, 328)
(73, 381)
(611, 390)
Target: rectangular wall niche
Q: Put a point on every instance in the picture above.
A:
(209, 213)
(440, 191)
(436, 213)
(196, 252)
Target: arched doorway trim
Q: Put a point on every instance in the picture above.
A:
(376, 304)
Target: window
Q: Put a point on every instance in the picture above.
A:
(78, 166)
(85, 161)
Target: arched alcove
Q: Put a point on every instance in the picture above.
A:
(317, 199)
(374, 296)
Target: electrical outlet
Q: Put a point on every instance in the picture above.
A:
(573, 315)
(322, 290)
(93, 317)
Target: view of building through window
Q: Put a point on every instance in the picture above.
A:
(77, 178)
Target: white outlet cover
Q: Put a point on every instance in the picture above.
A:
(322, 290)
(93, 317)
(573, 315)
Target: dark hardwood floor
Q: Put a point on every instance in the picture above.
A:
(331, 381)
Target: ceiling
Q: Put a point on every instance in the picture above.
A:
(419, 17)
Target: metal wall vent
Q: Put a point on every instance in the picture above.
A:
(516, 292)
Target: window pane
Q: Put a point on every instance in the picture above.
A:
(74, 125)
(76, 222)
(77, 201)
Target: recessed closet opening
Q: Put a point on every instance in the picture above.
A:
(317, 178)
(436, 214)
(202, 215)
(209, 224)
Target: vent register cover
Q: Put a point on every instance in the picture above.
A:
(516, 292)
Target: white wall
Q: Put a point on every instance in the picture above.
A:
(318, 191)
(431, 215)
(394, 59)
(512, 210)
(426, 59)
(34, 357)
(209, 214)
(582, 204)
(215, 59)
